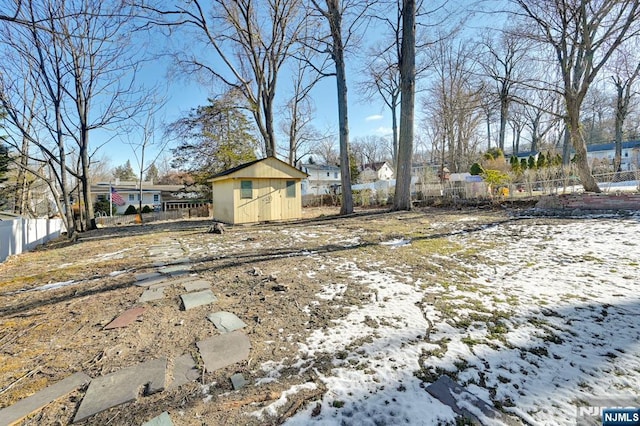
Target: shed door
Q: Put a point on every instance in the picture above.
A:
(265, 200)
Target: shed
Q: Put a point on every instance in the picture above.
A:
(259, 191)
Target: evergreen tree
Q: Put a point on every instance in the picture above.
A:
(153, 175)
(215, 137)
(124, 172)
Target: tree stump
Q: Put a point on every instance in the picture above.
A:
(216, 228)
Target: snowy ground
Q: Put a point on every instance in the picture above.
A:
(540, 318)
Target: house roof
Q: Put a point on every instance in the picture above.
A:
(320, 167)
(611, 146)
(375, 166)
(277, 169)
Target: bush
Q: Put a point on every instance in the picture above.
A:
(476, 169)
(131, 210)
(146, 209)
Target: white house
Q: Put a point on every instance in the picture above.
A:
(322, 179)
(373, 172)
(127, 193)
(607, 151)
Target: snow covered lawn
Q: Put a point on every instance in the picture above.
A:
(535, 316)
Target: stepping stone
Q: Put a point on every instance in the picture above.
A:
(455, 396)
(155, 280)
(238, 381)
(161, 420)
(150, 294)
(223, 350)
(192, 300)
(148, 275)
(121, 387)
(184, 371)
(21, 409)
(175, 270)
(196, 285)
(126, 318)
(226, 321)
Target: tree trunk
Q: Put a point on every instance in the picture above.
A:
(335, 22)
(621, 112)
(504, 115)
(270, 142)
(402, 199)
(580, 147)
(394, 126)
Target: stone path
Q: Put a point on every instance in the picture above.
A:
(21, 409)
(121, 387)
(125, 385)
(467, 405)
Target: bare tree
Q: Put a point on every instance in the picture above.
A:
(250, 40)
(542, 112)
(500, 60)
(297, 124)
(625, 69)
(76, 57)
(371, 149)
(384, 80)
(453, 104)
(583, 35)
(402, 198)
(325, 149)
(335, 44)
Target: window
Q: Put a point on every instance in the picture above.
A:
(246, 189)
(328, 174)
(156, 198)
(102, 197)
(335, 175)
(291, 189)
(132, 197)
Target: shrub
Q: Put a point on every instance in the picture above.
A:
(476, 169)
(131, 210)
(146, 209)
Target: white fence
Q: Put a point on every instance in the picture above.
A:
(19, 235)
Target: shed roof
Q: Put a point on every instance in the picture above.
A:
(273, 168)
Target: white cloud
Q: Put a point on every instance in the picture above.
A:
(384, 131)
(374, 117)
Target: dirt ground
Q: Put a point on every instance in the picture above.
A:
(259, 272)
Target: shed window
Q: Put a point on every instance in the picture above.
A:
(291, 189)
(246, 189)
(156, 198)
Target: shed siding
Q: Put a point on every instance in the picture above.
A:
(269, 199)
(223, 200)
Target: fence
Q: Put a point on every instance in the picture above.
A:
(20, 235)
(146, 218)
(528, 185)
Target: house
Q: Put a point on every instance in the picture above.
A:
(322, 179)
(373, 172)
(156, 197)
(607, 151)
(259, 191)
(129, 194)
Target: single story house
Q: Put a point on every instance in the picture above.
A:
(158, 197)
(127, 193)
(258, 191)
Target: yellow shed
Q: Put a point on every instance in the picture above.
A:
(259, 191)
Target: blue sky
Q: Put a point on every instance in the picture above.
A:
(365, 117)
